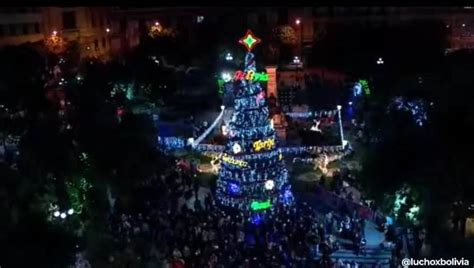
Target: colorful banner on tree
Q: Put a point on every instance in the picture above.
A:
(233, 161)
(259, 145)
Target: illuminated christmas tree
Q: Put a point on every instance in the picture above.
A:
(253, 175)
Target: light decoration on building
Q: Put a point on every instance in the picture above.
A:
(55, 43)
(157, 30)
(322, 113)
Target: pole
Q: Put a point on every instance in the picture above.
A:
(340, 125)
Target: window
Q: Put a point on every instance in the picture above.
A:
(12, 28)
(24, 29)
(69, 20)
(37, 28)
(96, 44)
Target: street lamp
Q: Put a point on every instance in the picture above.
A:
(340, 124)
(300, 36)
(380, 61)
(296, 60)
(107, 30)
(70, 211)
(228, 57)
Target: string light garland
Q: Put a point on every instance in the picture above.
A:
(253, 168)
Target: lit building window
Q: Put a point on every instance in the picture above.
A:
(200, 19)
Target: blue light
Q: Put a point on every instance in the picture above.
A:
(234, 188)
(287, 197)
(257, 219)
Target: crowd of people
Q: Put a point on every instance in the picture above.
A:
(199, 233)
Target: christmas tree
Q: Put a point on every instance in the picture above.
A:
(253, 175)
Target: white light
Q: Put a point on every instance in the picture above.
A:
(55, 32)
(297, 21)
(226, 77)
(463, 25)
(190, 141)
(157, 61)
(70, 211)
(199, 19)
(222, 107)
(228, 57)
(296, 60)
(350, 103)
(339, 107)
(157, 23)
(447, 25)
(236, 148)
(107, 30)
(269, 184)
(63, 215)
(56, 214)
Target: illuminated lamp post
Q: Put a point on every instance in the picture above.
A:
(340, 125)
(300, 36)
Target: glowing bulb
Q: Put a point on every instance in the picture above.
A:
(222, 107)
(55, 32)
(226, 77)
(70, 211)
(107, 30)
(269, 184)
(339, 107)
(63, 215)
(297, 21)
(56, 214)
(157, 23)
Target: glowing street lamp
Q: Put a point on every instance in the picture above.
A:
(70, 211)
(296, 60)
(297, 21)
(228, 57)
(107, 30)
(56, 214)
(380, 61)
(339, 107)
(63, 215)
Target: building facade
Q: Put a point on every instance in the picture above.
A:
(89, 26)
